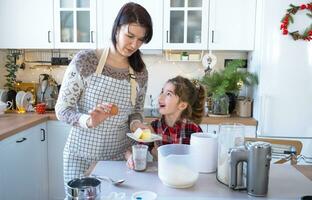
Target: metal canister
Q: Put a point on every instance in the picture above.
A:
(86, 188)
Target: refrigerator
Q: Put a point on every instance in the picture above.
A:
(283, 97)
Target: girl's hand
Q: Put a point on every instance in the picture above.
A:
(99, 114)
(130, 162)
(154, 151)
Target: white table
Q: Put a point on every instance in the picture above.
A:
(285, 182)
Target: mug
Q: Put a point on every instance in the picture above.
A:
(5, 106)
(41, 108)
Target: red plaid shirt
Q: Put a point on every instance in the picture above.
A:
(180, 133)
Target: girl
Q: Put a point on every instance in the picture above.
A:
(182, 107)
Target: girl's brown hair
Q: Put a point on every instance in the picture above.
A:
(134, 13)
(194, 94)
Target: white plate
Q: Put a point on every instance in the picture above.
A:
(19, 97)
(27, 100)
(154, 137)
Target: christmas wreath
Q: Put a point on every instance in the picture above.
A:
(307, 34)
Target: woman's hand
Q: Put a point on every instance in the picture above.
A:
(99, 114)
(139, 124)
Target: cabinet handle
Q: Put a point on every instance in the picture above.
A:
(49, 39)
(43, 136)
(92, 37)
(212, 36)
(167, 33)
(21, 140)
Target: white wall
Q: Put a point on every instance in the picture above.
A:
(160, 70)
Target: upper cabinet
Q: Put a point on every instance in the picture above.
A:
(26, 24)
(232, 24)
(85, 24)
(185, 24)
(108, 10)
(155, 9)
(75, 24)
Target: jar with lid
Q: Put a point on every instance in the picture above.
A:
(230, 135)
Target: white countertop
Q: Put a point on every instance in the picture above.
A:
(285, 182)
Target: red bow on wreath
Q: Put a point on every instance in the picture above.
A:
(307, 35)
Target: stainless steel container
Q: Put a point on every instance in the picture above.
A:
(87, 188)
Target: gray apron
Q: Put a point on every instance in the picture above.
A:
(108, 140)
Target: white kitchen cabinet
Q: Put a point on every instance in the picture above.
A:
(23, 168)
(232, 24)
(204, 127)
(107, 12)
(26, 24)
(75, 24)
(250, 131)
(185, 24)
(57, 136)
(155, 9)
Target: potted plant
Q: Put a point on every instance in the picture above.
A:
(228, 82)
(11, 68)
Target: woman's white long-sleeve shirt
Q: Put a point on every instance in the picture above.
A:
(76, 80)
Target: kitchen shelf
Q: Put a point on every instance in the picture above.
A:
(184, 56)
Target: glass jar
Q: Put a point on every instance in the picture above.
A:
(230, 135)
(220, 106)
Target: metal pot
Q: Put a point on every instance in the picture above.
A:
(87, 188)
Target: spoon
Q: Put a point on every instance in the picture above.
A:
(114, 182)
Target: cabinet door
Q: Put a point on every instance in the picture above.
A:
(57, 136)
(185, 24)
(232, 24)
(75, 24)
(155, 9)
(107, 11)
(25, 26)
(23, 169)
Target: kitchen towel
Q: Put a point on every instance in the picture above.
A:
(204, 152)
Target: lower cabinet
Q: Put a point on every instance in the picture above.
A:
(250, 131)
(57, 136)
(23, 167)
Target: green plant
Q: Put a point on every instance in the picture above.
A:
(11, 68)
(229, 80)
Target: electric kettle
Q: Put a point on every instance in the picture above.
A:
(47, 92)
(258, 157)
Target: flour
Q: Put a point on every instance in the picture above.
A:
(178, 175)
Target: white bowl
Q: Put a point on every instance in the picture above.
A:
(175, 167)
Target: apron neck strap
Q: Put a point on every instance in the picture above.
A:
(133, 82)
(102, 61)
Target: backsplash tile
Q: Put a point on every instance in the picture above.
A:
(160, 70)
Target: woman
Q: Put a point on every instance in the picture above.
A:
(93, 82)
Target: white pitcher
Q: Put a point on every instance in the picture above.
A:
(4, 106)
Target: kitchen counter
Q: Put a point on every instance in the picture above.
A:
(292, 186)
(12, 123)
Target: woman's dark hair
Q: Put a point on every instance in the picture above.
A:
(134, 13)
(194, 94)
